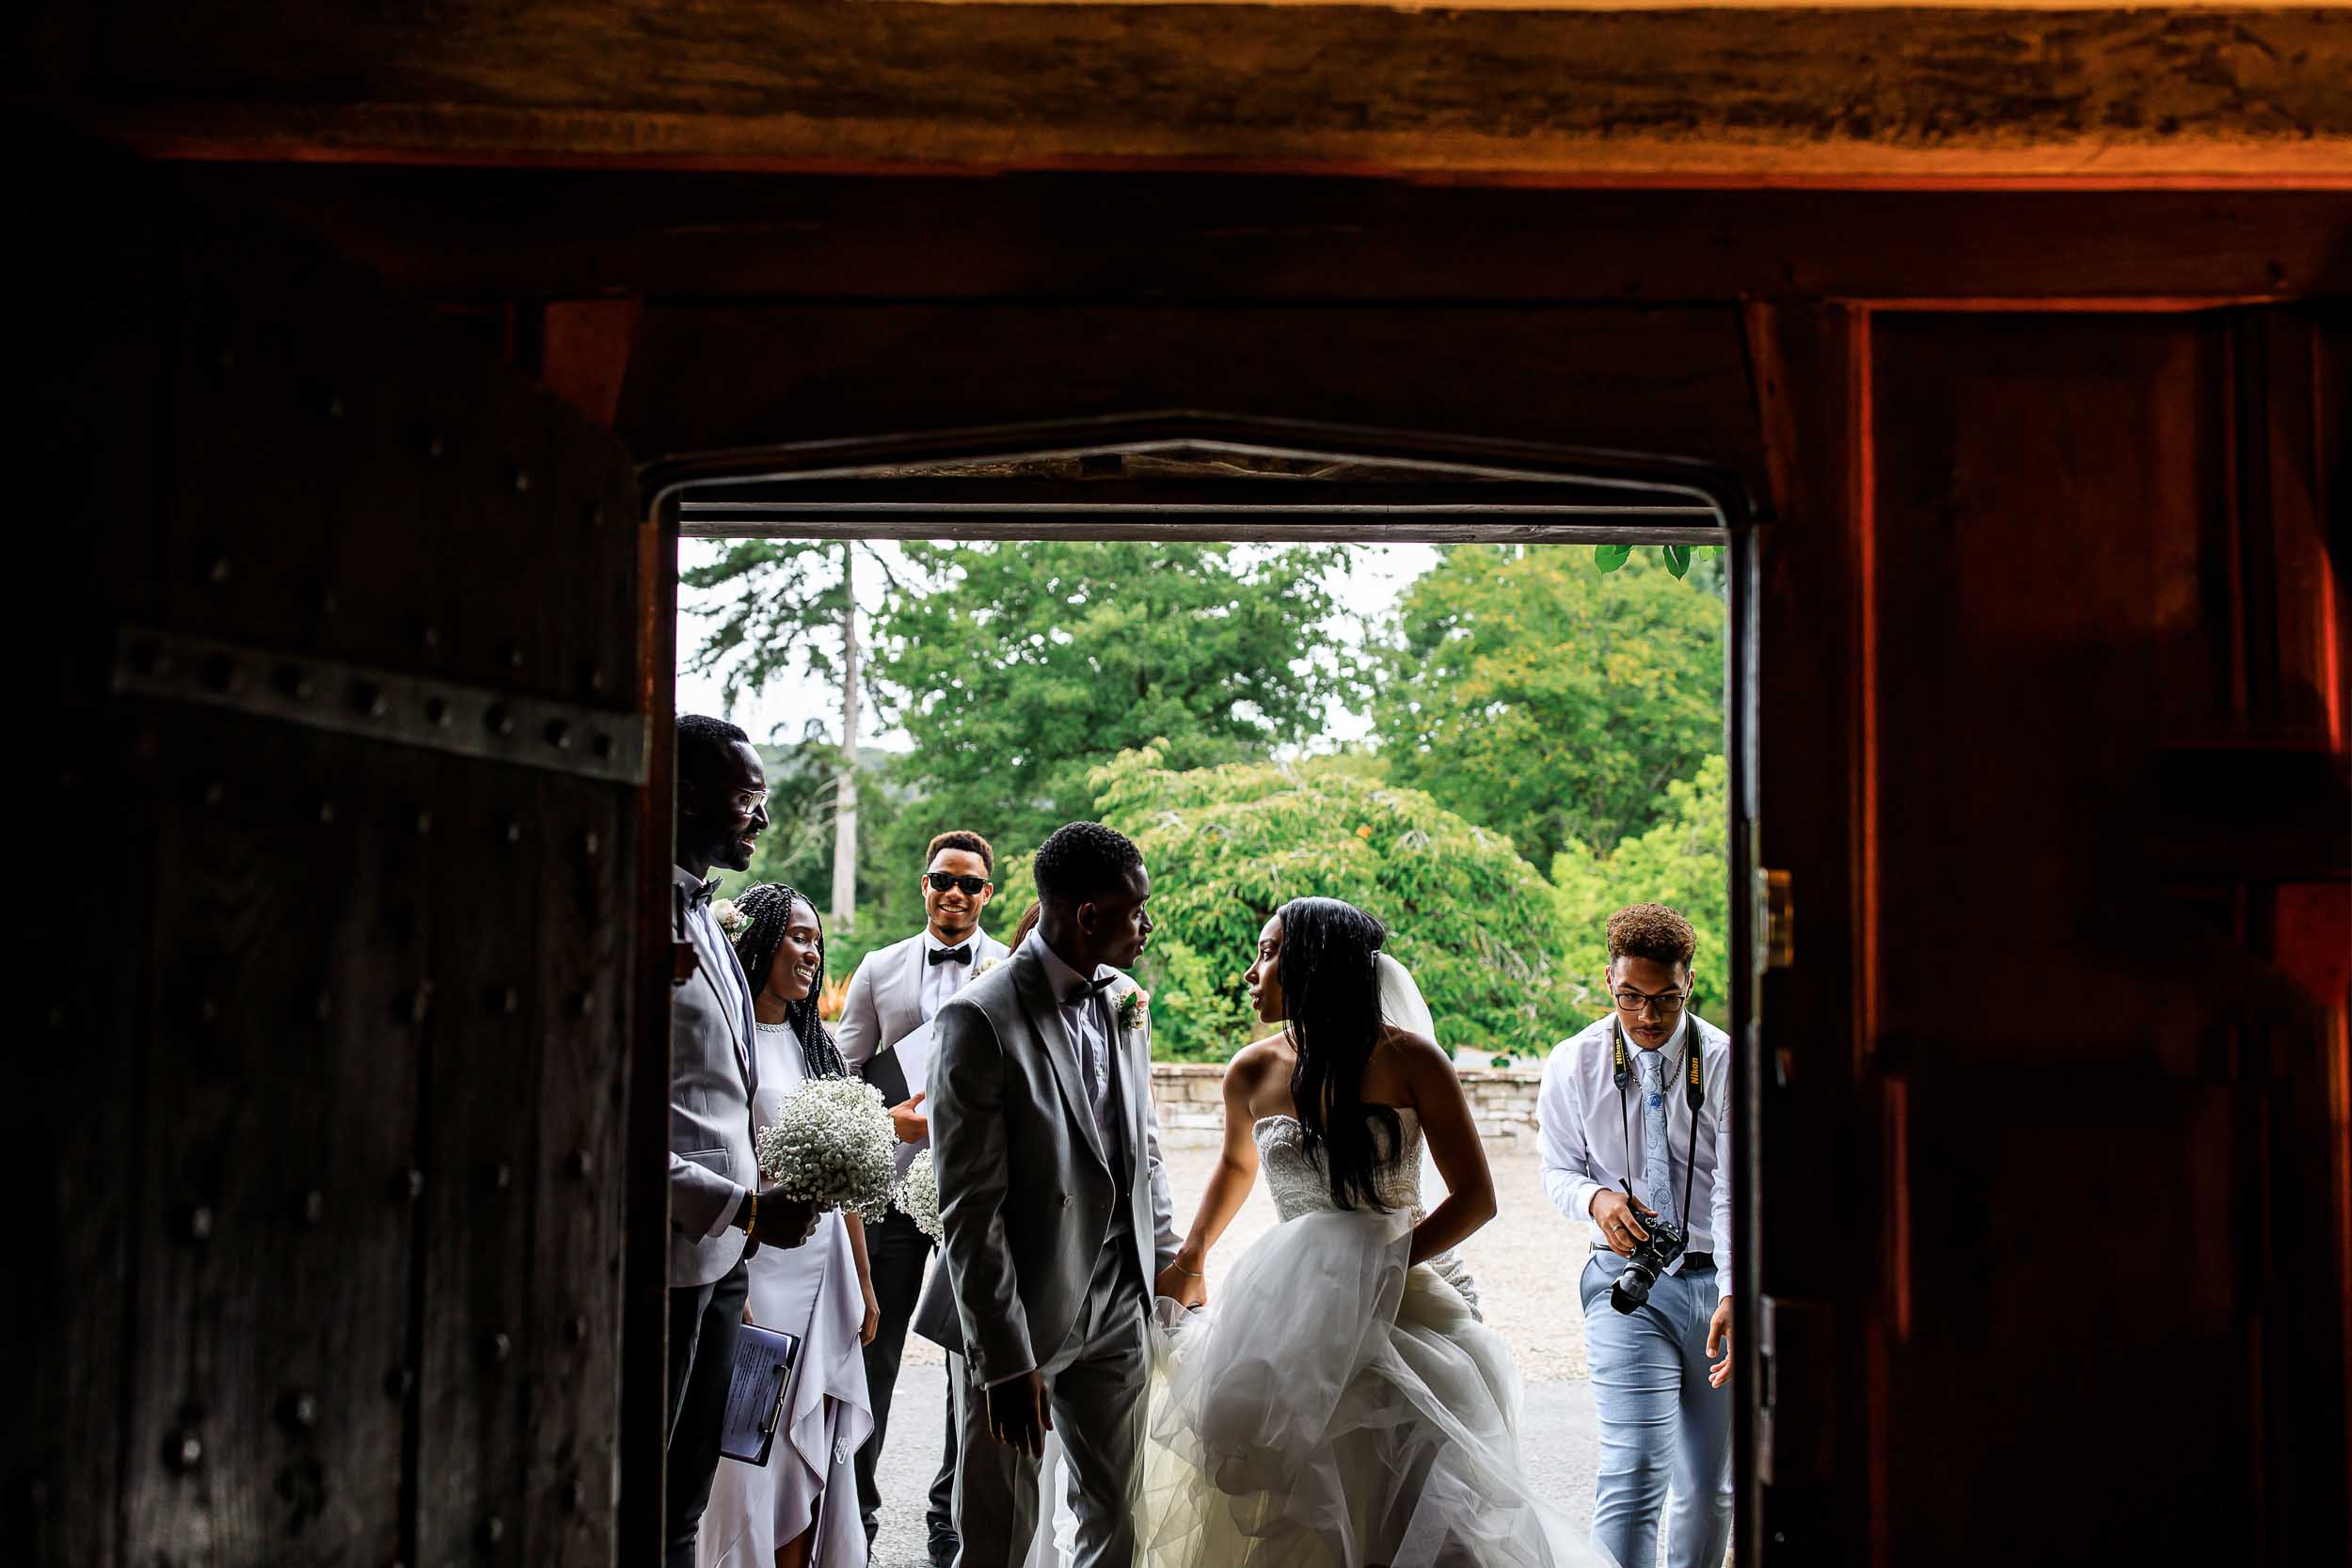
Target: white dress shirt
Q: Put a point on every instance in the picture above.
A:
(1582, 1133)
(940, 981)
(1082, 1015)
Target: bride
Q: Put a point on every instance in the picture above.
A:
(1342, 1405)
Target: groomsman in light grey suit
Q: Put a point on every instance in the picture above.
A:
(896, 991)
(1056, 1208)
(719, 1214)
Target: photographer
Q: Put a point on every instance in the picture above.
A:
(1636, 1138)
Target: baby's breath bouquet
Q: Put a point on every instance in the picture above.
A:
(830, 1144)
(918, 1197)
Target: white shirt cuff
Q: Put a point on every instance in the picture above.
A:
(726, 1216)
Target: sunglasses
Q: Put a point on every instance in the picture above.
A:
(942, 880)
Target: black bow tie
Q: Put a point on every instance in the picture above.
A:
(704, 893)
(952, 955)
(1087, 991)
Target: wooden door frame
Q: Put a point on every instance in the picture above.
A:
(664, 485)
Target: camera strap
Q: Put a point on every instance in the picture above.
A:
(1693, 1092)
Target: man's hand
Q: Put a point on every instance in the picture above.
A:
(1019, 1413)
(911, 1125)
(1614, 1213)
(1719, 1332)
(782, 1222)
(1187, 1288)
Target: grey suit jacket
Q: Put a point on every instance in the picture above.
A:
(885, 1001)
(1025, 1191)
(713, 1069)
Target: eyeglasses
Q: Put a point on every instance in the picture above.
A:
(1668, 1003)
(942, 880)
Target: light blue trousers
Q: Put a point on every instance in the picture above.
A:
(1660, 1425)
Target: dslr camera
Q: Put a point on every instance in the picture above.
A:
(1652, 1255)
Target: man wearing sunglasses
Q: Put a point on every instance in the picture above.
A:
(883, 1033)
(1634, 1125)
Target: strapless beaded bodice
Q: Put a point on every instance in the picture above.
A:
(1300, 1185)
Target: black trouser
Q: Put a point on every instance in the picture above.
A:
(702, 1324)
(896, 1254)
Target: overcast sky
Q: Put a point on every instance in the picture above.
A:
(1367, 595)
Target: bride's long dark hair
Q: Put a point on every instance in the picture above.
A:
(769, 909)
(1328, 969)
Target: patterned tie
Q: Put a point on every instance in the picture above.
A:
(1657, 1176)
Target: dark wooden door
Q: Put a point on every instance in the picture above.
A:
(327, 883)
(2053, 1201)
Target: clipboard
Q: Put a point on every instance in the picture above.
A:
(912, 1058)
(763, 1370)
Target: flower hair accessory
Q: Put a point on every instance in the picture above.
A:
(1135, 1010)
(733, 922)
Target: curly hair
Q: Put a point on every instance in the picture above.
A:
(1328, 969)
(1651, 931)
(1082, 859)
(703, 744)
(768, 907)
(962, 839)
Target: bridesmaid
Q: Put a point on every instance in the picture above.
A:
(800, 1509)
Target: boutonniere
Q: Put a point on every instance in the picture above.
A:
(733, 922)
(1135, 1010)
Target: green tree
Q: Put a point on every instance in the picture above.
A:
(1684, 860)
(1550, 701)
(794, 602)
(1016, 668)
(799, 847)
(777, 605)
(1228, 845)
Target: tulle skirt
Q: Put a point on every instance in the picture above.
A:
(1338, 1409)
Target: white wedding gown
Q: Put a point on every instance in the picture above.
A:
(811, 1291)
(1336, 1408)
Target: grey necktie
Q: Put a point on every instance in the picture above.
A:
(1085, 1023)
(1657, 1173)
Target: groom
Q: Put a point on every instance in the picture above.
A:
(1055, 1206)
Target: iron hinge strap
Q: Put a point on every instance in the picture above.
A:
(383, 705)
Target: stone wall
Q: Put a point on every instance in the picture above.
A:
(1192, 1113)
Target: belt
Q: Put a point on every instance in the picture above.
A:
(1690, 1259)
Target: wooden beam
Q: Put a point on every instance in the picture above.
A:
(497, 233)
(1798, 93)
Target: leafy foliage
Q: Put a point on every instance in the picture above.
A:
(1681, 862)
(1678, 558)
(1018, 667)
(1228, 845)
(1529, 692)
(786, 607)
(797, 847)
(1526, 702)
